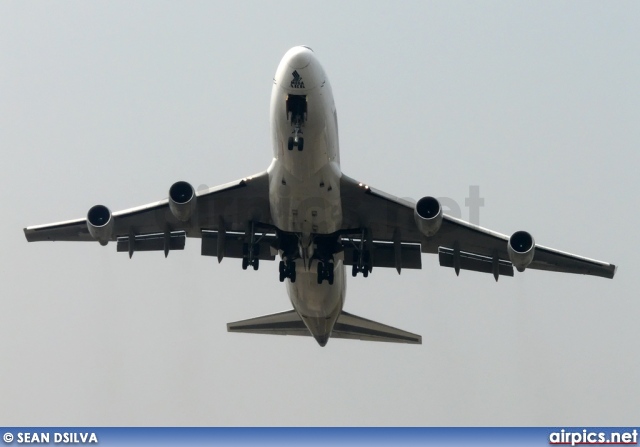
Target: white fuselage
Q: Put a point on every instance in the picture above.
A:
(304, 185)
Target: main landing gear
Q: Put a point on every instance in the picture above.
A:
(251, 248)
(361, 258)
(250, 256)
(325, 271)
(287, 270)
(361, 261)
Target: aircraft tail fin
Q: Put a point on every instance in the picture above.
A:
(347, 326)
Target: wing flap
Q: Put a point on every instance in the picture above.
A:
(384, 255)
(474, 262)
(152, 242)
(230, 245)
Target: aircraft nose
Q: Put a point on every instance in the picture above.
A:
(299, 71)
(299, 57)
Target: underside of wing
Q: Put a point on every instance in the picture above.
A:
(559, 261)
(228, 207)
(459, 244)
(71, 230)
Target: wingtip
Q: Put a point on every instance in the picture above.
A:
(27, 232)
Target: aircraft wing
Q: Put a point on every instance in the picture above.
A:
(390, 218)
(225, 208)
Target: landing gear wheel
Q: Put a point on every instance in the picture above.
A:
(290, 143)
(300, 143)
(287, 270)
(250, 257)
(361, 263)
(325, 271)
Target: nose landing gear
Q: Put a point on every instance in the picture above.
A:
(296, 141)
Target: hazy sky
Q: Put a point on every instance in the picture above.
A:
(537, 103)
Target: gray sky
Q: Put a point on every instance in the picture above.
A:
(538, 103)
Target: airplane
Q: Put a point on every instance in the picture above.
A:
(316, 219)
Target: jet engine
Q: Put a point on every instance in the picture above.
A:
(521, 248)
(428, 215)
(182, 200)
(100, 223)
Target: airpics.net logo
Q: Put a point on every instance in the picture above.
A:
(591, 437)
(449, 206)
(50, 438)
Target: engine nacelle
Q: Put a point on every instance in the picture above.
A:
(100, 223)
(182, 200)
(521, 248)
(428, 215)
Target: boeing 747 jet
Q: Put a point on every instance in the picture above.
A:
(319, 222)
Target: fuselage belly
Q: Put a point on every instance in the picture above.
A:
(304, 182)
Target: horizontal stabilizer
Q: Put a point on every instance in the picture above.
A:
(358, 328)
(282, 323)
(347, 326)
